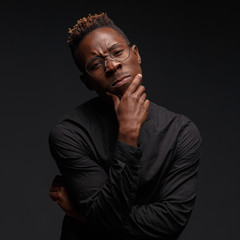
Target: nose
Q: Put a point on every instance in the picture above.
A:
(111, 64)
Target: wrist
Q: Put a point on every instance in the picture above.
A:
(128, 136)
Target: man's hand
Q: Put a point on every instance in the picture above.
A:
(131, 111)
(59, 194)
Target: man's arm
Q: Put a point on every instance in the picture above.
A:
(166, 218)
(131, 111)
(105, 199)
(58, 193)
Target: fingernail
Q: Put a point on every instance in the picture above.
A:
(140, 75)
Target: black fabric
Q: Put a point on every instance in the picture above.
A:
(127, 192)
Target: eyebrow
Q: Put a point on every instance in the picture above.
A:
(95, 56)
(111, 47)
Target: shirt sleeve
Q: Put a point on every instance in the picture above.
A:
(166, 218)
(104, 198)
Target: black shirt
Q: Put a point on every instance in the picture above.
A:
(127, 192)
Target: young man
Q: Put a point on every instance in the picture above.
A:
(129, 167)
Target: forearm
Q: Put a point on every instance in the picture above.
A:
(164, 220)
(129, 136)
(109, 205)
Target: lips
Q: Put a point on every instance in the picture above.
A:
(121, 81)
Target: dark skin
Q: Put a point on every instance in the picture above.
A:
(128, 96)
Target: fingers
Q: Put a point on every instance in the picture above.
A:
(140, 90)
(54, 196)
(57, 188)
(136, 82)
(56, 193)
(142, 98)
(137, 89)
(146, 104)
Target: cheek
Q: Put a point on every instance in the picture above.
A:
(135, 65)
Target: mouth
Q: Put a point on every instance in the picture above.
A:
(121, 81)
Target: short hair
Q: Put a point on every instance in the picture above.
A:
(87, 24)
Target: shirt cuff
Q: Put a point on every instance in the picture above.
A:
(127, 153)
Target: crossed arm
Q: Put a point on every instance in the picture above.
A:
(109, 200)
(131, 112)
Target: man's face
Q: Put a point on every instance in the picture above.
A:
(117, 75)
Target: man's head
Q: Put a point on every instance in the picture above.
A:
(103, 54)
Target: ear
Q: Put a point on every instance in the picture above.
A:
(86, 81)
(136, 52)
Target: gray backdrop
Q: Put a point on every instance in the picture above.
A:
(190, 55)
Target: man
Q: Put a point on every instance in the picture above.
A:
(129, 167)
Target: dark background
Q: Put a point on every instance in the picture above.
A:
(190, 60)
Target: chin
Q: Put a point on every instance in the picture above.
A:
(121, 90)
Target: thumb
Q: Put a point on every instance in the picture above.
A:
(115, 99)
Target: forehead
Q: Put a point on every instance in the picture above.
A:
(98, 42)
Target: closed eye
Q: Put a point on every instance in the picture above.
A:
(95, 64)
(117, 53)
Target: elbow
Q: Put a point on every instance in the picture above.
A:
(178, 219)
